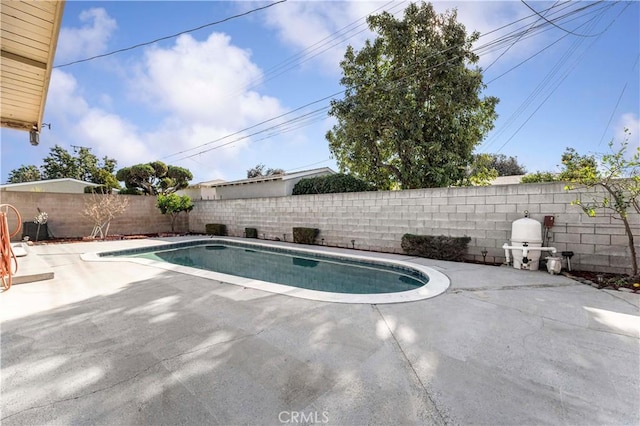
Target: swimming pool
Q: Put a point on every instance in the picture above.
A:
(318, 274)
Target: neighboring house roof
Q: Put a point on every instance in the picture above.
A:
(28, 40)
(283, 177)
(507, 180)
(47, 183)
(206, 184)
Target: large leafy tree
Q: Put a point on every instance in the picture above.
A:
(503, 165)
(412, 111)
(24, 173)
(154, 178)
(80, 164)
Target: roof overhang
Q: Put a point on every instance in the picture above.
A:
(28, 37)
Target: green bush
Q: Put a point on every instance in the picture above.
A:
(215, 229)
(331, 184)
(305, 235)
(251, 232)
(538, 177)
(436, 247)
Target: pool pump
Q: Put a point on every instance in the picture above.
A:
(526, 245)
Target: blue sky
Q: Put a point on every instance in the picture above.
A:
(178, 100)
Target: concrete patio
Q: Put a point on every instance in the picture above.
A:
(120, 343)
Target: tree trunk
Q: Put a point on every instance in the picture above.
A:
(634, 259)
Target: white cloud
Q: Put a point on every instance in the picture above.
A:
(193, 90)
(201, 86)
(104, 132)
(324, 28)
(112, 135)
(88, 40)
(302, 25)
(204, 82)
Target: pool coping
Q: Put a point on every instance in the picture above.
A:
(438, 282)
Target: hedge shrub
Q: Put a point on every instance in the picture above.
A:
(436, 247)
(305, 235)
(251, 232)
(331, 184)
(538, 177)
(215, 229)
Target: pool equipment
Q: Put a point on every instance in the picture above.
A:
(568, 255)
(554, 264)
(526, 244)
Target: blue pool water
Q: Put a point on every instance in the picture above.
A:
(309, 271)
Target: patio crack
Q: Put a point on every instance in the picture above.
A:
(74, 398)
(440, 417)
(513, 287)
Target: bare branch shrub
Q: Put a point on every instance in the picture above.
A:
(102, 209)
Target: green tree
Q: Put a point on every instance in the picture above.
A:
(485, 168)
(61, 164)
(503, 165)
(331, 184)
(259, 171)
(481, 171)
(412, 112)
(154, 178)
(173, 204)
(82, 165)
(618, 177)
(24, 173)
(539, 176)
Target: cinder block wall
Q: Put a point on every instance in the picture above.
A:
(377, 220)
(66, 218)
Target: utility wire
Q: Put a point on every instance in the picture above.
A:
(252, 134)
(335, 94)
(516, 40)
(308, 165)
(334, 39)
(567, 73)
(558, 26)
(615, 108)
(171, 36)
(256, 125)
(282, 124)
(540, 88)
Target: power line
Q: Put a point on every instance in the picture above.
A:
(308, 165)
(615, 108)
(558, 26)
(492, 44)
(558, 83)
(548, 80)
(171, 36)
(334, 39)
(255, 125)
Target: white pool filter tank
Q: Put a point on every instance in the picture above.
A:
(526, 244)
(526, 232)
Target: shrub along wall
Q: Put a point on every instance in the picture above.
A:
(378, 220)
(67, 221)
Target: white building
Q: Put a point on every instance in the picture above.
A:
(258, 187)
(65, 185)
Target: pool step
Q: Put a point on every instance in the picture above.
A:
(31, 268)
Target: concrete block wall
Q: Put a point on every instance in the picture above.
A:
(67, 221)
(377, 220)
